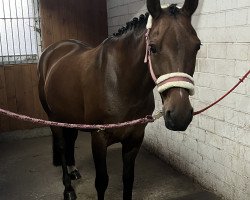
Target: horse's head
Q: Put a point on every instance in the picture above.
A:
(174, 45)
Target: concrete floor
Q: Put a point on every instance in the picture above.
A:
(26, 173)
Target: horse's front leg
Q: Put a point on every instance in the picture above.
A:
(130, 149)
(99, 150)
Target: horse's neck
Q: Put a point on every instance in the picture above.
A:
(132, 66)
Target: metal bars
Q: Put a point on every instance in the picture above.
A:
(20, 33)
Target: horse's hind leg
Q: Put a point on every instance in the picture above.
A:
(59, 146)
(99, 150)
(130, 149)
(70, 136)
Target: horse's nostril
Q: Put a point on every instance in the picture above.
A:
(168, 114)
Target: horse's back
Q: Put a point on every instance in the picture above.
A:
(57, 52)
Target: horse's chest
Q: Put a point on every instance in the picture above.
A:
(127, 107)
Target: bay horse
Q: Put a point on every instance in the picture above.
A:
(111, 83)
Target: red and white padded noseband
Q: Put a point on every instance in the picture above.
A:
(177, 79)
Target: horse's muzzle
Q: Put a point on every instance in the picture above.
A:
(178, 112)
(172, 123)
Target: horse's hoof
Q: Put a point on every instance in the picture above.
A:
(75, 175)
(71, 195)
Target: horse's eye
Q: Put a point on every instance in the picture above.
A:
(153, 48)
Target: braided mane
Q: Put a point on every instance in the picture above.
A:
(172, 10)
(133, 24)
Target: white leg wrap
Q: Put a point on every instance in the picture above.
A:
(71, 168)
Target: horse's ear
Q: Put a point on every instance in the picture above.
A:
(154, 8)
(190, 7)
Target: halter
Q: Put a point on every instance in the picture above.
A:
(167, 81)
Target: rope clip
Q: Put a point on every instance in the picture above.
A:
(158, 115)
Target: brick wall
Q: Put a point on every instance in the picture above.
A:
(215, 150)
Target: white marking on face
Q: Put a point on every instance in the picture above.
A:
(181, 94)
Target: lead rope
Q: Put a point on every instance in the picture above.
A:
(145, 120)
(241, 80)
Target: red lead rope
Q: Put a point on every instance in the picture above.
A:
(225, 95)
(145, 120)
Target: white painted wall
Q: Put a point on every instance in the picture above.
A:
(215, 150)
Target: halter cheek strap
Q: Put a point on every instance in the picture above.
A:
(167, 81)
